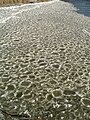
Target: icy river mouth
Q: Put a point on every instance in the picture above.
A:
(44, 62)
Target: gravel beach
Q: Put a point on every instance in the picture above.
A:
(44, 62)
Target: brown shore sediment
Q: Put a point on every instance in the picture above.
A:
(5, 3)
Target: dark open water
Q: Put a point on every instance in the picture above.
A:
(83, 6)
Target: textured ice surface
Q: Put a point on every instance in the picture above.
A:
(45, 63)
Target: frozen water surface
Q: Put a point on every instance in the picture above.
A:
(44, 62)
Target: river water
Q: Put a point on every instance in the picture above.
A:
(83, 6)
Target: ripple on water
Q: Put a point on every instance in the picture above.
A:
(49, 96)
(32, 60)
(25, 83)
(57, 93)
(27, 96)
(10, 87)
(88, 68)
(32, 76)
(19, 94)
(48, 70)
(85, 102)
(43, 64)
(23, 76)
(55, 65)
(5, 79)
(1, 73)
(27, 91)
(40, 60)
(69, 92)
(28, 72)
(53, 82)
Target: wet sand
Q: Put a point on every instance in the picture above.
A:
(45, 61)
